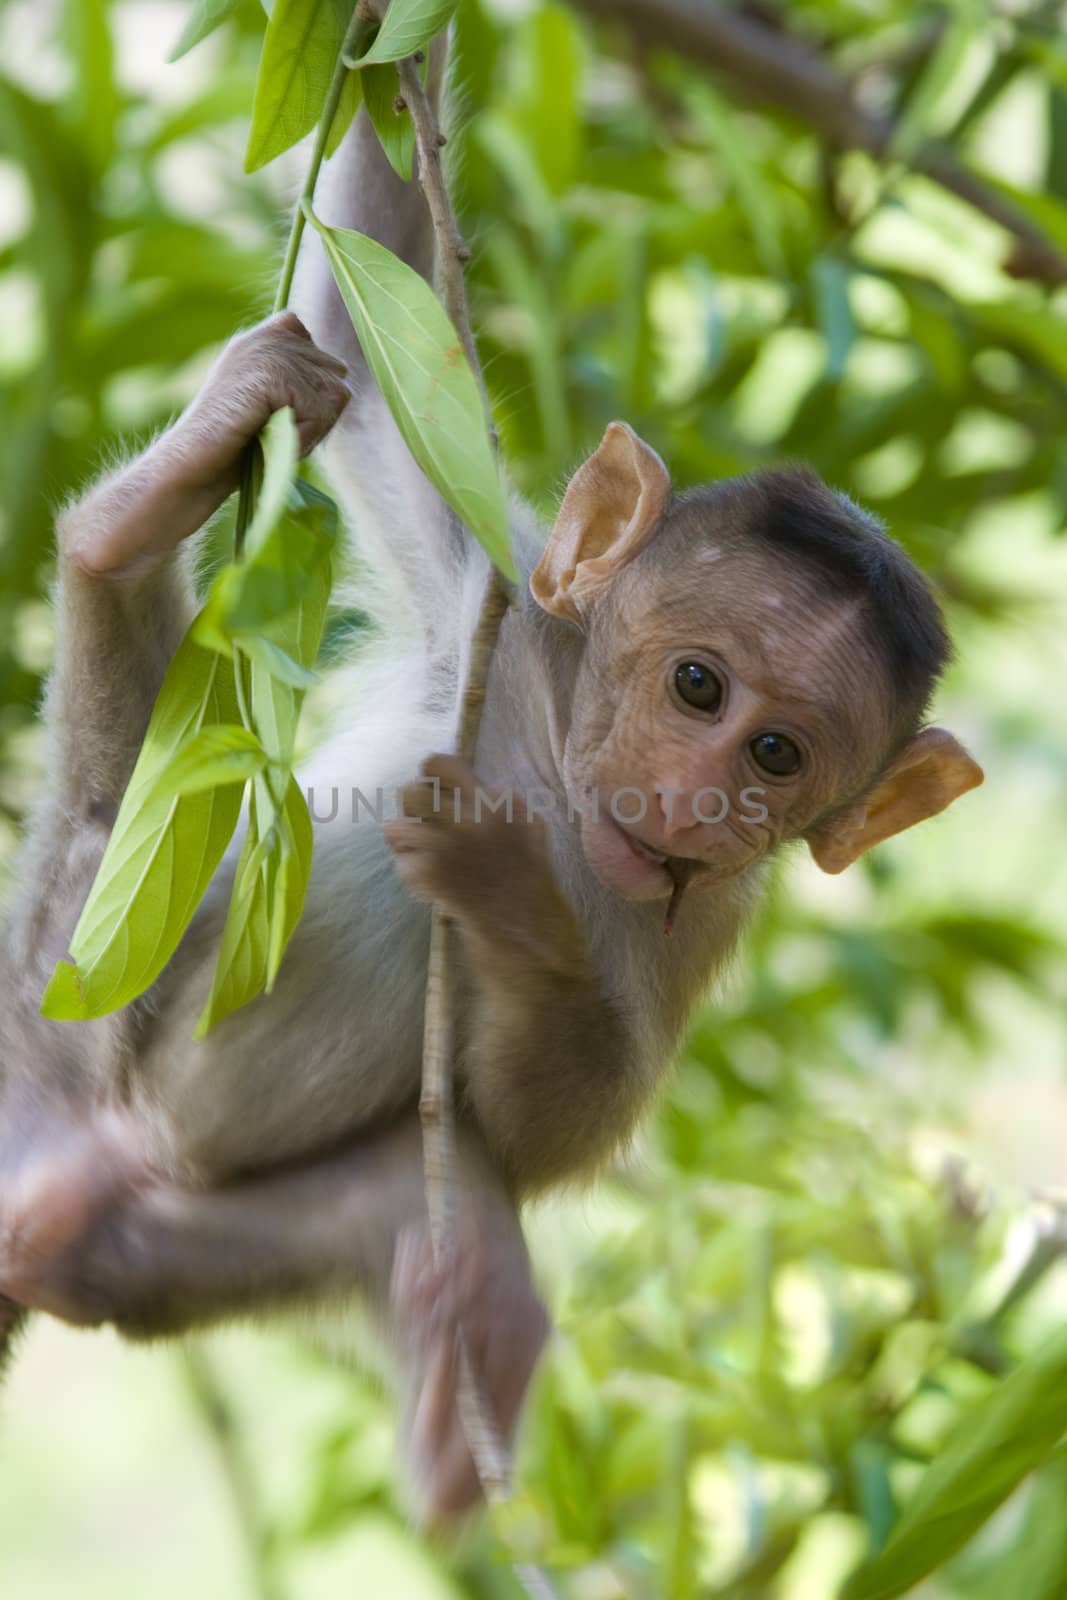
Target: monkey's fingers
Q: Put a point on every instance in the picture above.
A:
(415, 858)
(427, 800)
(454, 776)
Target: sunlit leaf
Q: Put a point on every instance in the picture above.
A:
(277, 662)
(204, 18)
(287, 552)
(919, 119)
(408, 25)
(300, 51)
(418, 362)
(268, 899)
(95, 98)
(988, 1456)
(244, 953)
(163, 851)
(280, 448)
(219, 754)
(294, 875)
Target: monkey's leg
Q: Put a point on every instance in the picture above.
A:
(155, 1258)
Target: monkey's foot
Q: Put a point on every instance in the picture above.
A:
(483, 1299)
(50, 1205)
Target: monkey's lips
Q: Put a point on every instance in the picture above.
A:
(625, 863)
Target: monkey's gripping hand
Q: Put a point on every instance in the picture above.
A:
(481, 855)
(131, 520)
(273, 365)
(549, 1068)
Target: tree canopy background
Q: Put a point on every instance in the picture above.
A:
(842, 1232)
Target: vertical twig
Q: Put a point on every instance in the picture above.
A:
(359, 30)
(218, 1420)
(355, 40)
(487, 1447)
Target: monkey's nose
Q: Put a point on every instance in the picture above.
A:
(689, 817)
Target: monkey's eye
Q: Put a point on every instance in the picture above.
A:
(698, 686)
(776, 754)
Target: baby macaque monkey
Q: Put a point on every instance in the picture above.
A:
(684, 685)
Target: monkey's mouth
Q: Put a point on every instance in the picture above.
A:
(680, 869)
(636, 870)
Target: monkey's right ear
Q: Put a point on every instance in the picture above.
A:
(612, 507)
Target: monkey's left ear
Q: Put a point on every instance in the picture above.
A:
(930, 772)
(611, 509)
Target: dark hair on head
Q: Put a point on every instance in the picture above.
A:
(792, 511)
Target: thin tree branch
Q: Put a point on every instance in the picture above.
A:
(452, 250)
(218, 1419)
(487, 1447)
(779, 70)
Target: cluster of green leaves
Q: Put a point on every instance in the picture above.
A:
(773, 1329)
(226, 719)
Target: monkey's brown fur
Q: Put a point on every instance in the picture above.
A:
(155, 1182)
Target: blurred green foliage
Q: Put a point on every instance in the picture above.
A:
(779, 1311)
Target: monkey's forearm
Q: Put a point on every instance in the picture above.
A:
(129, 522)
(550, 1068)
(117, 636)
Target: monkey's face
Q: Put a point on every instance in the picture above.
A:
(722, 709)
(729, 699)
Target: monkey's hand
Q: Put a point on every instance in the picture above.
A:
(273, 365)
(483, 856)
(482, 1299)
(133, 520)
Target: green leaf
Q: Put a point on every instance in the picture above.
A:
(276, 698)
(163, 851)
(244, 953)
(394, 128)
(281, 588)
(277, 662)
(989, 1455)
(919, 118)
(408, 25)
(349, 103)
(300, 52)
(417, 359)
(220, 754)
(205, 17)
(287, 556)
(830, 278)
(267, 903)
(280, 446)
(95, 99)
(756, 196)
(290, 565)
(547, 101)
(294, 875)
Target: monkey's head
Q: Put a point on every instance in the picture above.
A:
(758, 660)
